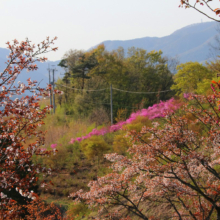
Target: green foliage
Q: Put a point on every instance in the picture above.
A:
(66, 158)
(121, 144)
(190, 77)
(204, 86)
(138, 71)
(60, 111)
(138, 123)
(121, 115)
(78, 210)
(94, 146)
(90, 128)
(58, 161)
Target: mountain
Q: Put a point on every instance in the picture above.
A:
(41, 75)
(191, 43)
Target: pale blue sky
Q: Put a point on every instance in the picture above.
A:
(81, 24)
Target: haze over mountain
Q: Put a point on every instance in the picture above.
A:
(41, 75)
(191, 43)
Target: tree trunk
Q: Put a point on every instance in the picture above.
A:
(218, 213)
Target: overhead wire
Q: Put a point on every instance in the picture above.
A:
(91, 90)
(99, 103)
(115, 89)
(140, 92)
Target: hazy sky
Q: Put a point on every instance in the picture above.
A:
(81, 24)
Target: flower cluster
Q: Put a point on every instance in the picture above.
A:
(156, 111)
(53, 146)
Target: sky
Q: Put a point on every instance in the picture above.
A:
(82, 24)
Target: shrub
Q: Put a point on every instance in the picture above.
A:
(121, 144)
(77, 210)
(94, 146)
(99, 116)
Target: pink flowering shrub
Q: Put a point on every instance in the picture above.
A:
(156, 111)
(53, 146)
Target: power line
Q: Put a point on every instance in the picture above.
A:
(115, 89)
(111, 101)
(140, 92)
(81, 89)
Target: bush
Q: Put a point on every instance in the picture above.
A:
(94, 146)
(138, 123)
(99, 116)
(120, 144)
(77, 210)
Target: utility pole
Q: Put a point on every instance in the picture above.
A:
(50, 89)
(111, 104)
(54, 107)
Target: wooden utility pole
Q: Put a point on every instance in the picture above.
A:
(54, 106)
(50, 89)
(111, 104)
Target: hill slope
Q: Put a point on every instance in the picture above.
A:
(191, 43)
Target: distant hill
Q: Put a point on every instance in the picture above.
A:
(40, 75)
(191, 43)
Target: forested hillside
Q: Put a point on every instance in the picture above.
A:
(137, 79)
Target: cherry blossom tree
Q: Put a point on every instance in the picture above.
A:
(20, 119)
(209, 7)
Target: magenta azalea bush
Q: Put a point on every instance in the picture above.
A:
(53, 146)
(156, 111)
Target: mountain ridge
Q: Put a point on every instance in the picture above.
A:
(190, 43)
